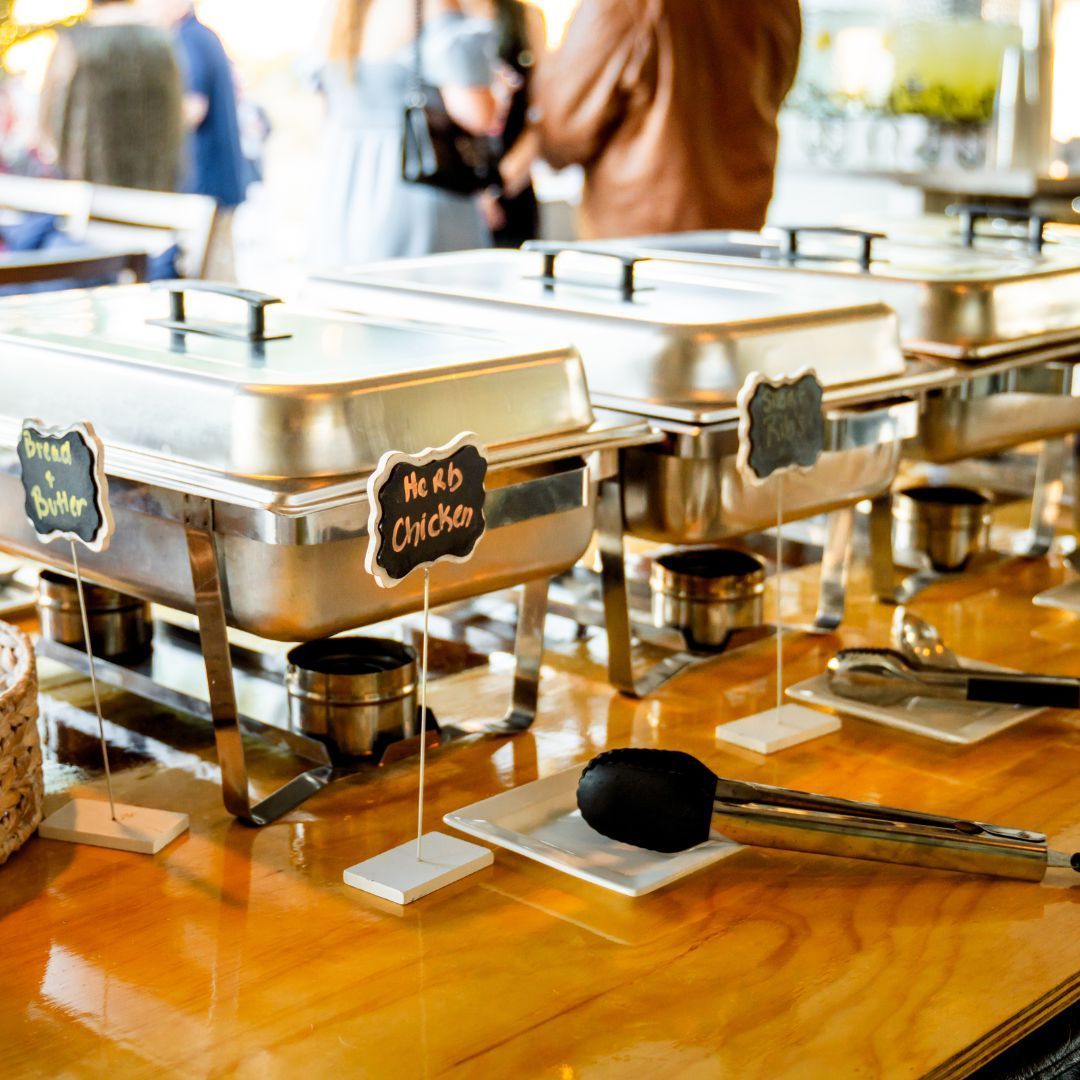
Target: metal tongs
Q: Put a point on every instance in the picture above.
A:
(885, 676)
(774, 817)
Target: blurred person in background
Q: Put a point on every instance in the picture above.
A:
(671, 107)
(16, 154)
(366, 211)
(255, 131)
(512, 213)
(111, 101)
(214, 163)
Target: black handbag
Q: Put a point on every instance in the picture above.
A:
(435, 150)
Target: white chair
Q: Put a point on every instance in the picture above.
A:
(66, 199)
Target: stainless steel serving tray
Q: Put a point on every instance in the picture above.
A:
(270, 444)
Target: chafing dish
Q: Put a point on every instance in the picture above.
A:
(676, 353)
(238, 460)
(996, 315)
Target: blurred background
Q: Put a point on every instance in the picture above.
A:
(900, 106)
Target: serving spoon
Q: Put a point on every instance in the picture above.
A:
(920, 641)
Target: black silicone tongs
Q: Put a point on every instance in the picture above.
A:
(666, 800)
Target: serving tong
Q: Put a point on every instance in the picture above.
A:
(765, 816)
(886, 676)
(667, 800)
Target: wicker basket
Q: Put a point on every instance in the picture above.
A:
(21, 787)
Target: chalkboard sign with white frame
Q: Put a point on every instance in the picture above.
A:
(425, 508)
(64, 484)
(781, 424)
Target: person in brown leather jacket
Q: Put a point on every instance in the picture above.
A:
(671, 107)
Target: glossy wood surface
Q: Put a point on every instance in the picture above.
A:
(240, 952)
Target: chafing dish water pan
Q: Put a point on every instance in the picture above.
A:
(676, 353)
(238, 461)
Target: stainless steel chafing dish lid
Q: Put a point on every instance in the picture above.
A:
(997, 296)
(326, 402)
(671, 350)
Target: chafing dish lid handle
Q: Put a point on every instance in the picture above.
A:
(551, 250)
(971, 215)
(257, 303)
(791, 233)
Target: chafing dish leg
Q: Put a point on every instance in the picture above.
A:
(528, 657)
(213, 636)
(914, 584)
(835, 561)
(1076, 482)
(609, 531)
(1046, 498)
(882, 572)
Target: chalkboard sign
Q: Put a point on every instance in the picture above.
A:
(781, 424)
(66, 495)
(425, 508)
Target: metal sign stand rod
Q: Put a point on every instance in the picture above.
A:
(77, 467)
(423, 719)
(790, 444)
(411, 870)
(777, 726)
(402, 874)
(779, 593)
(93, 679)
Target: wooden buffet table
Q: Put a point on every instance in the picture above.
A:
(240, 951)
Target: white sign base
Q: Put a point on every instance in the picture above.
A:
(1063, 597)
(136, 828)
(777, 729)
(397, 874)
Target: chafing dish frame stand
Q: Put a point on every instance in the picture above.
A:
(213, 637)
(196, 515)
(1046, 499)
(832, 588)
(835, 563)
(610, 531)
(228, 723)
(1055, 376)
(210, 611)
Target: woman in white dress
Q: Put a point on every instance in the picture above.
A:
(366, 211)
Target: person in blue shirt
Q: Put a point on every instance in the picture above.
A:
(215, 163)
